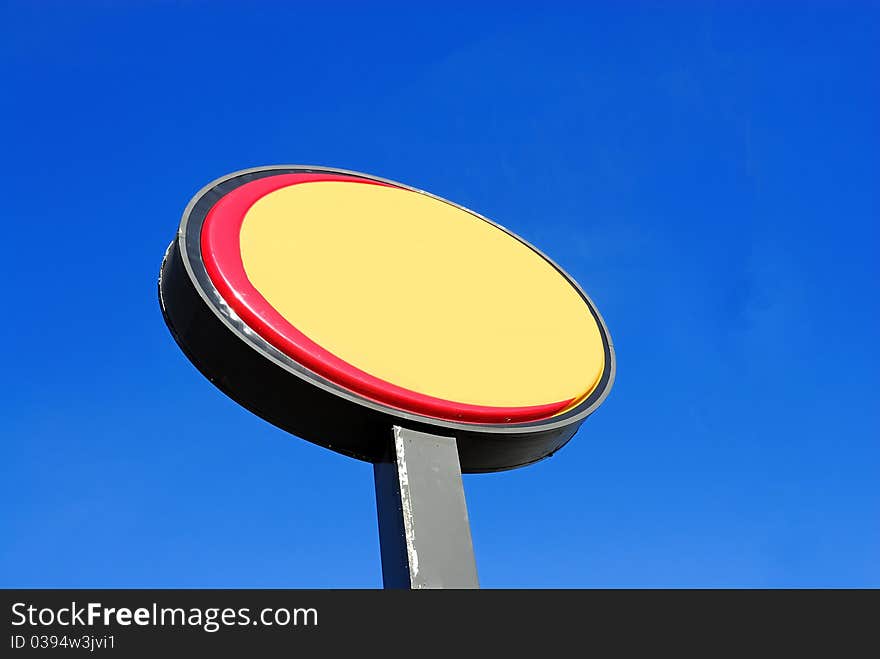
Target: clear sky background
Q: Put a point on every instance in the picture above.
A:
(707, 171)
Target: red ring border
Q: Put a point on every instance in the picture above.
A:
(221, 255)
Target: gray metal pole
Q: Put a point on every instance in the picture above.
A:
(424, 532)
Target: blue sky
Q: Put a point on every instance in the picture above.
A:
(707, 171)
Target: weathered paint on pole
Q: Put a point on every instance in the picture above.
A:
(424, 531)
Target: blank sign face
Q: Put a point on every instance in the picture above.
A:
(403, 298)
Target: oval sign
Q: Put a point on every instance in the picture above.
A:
(387, 298)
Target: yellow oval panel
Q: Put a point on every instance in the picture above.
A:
(422, 294)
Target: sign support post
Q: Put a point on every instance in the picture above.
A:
(424, 532)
